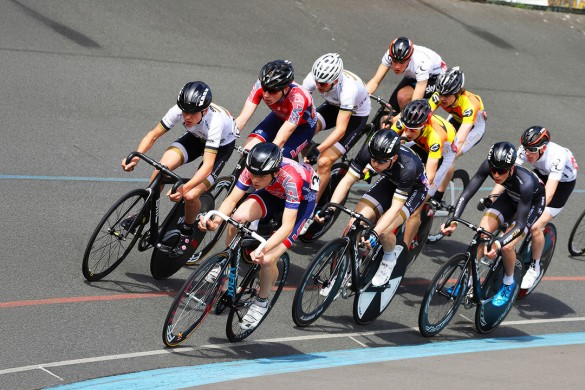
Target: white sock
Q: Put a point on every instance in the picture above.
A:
(508, 280)
(389, 257)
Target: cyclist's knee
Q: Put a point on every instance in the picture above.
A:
(508, 250)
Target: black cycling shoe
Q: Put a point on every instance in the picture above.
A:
(129, 221)
(181, 247)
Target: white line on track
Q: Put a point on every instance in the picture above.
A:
(229, 345)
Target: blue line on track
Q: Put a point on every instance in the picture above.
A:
(181, 377)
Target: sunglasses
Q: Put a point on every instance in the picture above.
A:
(271, 91)
(414, 128)
(533, 149)
(499, 171)
(381, 161)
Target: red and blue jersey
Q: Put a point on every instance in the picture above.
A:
(295, 107)
(294, 182)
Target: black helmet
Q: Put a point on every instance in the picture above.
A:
(535, 137)
(401, 49)
(384, 144)
(416, 113)
(450, 82)
(502, 155)
(276, 75)
(194, 97)
(264, 158)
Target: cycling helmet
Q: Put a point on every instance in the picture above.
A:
(401, 49)
(327, 68)
(502, 155)
(416, 113)
(384, 144)
(276, 75)
(535, 136)
(450, 82)
(264, 158)
(194, 97)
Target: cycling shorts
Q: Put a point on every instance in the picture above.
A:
(267, 129)
(561, 195)
(411, 82)
(327, 115)
(475, 134)
(190, 148)
(504, 209)
(380, 196)
(272, 205)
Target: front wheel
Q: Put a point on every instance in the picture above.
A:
(320, 283)
(246, 295)
(444, 295)
(115, 235)
(577, 237)
(458, 182)
(193, 302)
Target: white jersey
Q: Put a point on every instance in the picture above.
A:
(217, 128)
(556, 162)
(423, 63)
(348, 94)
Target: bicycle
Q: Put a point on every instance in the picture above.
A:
(420, 238)
(217, 192)
(202, 290)
(445, 209)
(577, 237)
(450, 287)
(123, 224)
(339, 169)
(328, 276)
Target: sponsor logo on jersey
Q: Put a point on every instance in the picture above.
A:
(467, 112)
(435, 98)
(435, 147)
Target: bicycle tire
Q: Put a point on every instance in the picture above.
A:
(439, 305)
(219, 190)
(318, 230)
(550, 239)
(329, 263)
(248, 290)
(458, 182)
(105, 250)
(193, 302)
(577, 237)
(422, 234)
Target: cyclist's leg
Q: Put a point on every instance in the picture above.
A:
(298, 140)
(177, 153)
(265, 131)
(402, 94)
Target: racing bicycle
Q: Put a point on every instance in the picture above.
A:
(577, 237)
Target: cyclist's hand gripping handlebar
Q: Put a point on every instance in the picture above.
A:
(238, 225)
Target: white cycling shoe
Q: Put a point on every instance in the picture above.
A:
(383, 273)
(530, 278)
(254, 315)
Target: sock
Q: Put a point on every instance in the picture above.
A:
(262, 302)
(438, 196)
(508, 280)
(536, 263)
(187, 229)
(390, 257)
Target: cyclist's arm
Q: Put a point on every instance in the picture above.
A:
(289, 217)
(229, 204)
(145, 145)
(431, 168)
(497, 190)
(462, 133)
(343, 187)
(550, 188)
(419, 89)
(284, 133)
(374, 83)
(340, 128)
(247, 112)
(203, 172)
(390, 215)
(470, 189)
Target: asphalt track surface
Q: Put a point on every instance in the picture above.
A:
(83, 81)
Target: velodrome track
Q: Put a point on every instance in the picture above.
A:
(83, 81)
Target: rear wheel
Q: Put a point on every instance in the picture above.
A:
(458, 182)
(444, 295)
(550, 239)
(193, 302)
(320, 283)
(247, 292)
(577, 237)
(115, 235)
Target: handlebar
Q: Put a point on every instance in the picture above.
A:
(472, 226)
(239, 226)
(352, 213)
(161, 167)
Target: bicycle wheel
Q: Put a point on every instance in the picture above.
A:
(458, 182)
(577, 237)
(444, 295)
(317, 230)
(248, 291)
(193, 302)
(487, 316)
(219, 190)
(325, 273)
(550, 239)
(110, 243)
(422, 234)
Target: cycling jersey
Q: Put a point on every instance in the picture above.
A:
(407, 173)
(349, 94)
(434, 137)
(465, 109)
(294, 182)
(296, 106)
(556, 162)
(523, 188)
(423, 63)
(217, 127)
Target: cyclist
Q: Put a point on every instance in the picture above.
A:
(521, 198)
(211, 132)
(557, 168)
(291, 124)
(466, 113)
(421, 67)
(281, 185)
(401, 189)
(347, 107)
(433, 139)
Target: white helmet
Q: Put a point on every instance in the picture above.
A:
(327, 68)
